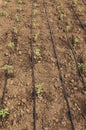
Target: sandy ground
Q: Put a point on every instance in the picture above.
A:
(52, 112)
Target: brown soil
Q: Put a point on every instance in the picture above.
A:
(51, 106)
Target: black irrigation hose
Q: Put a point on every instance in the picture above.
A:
(5, 85)
(33, 76)
(74, 55)
(76, 15)
(79, 71)
(4, 90)
(73, 52)
(58, 66)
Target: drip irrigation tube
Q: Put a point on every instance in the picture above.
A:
(58, 66)
(5, 84)
(76, 15)
(4, 90)
(33, 76)
(74, 55)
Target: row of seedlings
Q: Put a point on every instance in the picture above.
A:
(73, 43)
(35, 55)
(37, 50)
(8, 68)
(11, 46)
(59, 67)
(79, 13)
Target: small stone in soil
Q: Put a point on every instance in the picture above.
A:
(20, 52)
(24, 100)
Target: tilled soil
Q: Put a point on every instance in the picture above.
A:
(51, 107)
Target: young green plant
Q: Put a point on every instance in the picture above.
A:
(75, 2)
(19, 7)
(82, 67)
(4, 113)
(8, 68)
(20, 2)
(75, 41)
(17, 18)
(67, 29)
(39, 89)
(11, 45)
(37, 54)
(62, 16)
(15, 30)
(36, 35)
